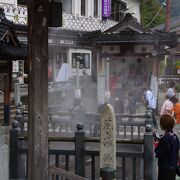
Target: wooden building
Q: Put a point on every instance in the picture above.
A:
(10, 50)
(120, 60)
(133, 54)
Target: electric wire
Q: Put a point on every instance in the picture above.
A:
(130, 7)
(155, 16)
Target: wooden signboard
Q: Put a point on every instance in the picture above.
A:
(108, 138)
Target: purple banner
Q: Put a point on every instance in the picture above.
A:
(106, 8)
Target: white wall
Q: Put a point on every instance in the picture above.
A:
(9, 1)
(76, 7)
(134, 8)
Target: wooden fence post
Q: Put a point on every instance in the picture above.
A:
(13, 153)
(148, 148)
(79, 151)
(149, 117)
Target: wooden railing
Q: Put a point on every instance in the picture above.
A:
(134, 156)
(129, 162)
(54, 171)
(64, 124)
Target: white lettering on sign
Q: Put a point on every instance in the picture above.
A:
(22, 38)
(66, 42)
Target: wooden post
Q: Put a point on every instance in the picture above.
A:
(168, 15)
(148, 148)
(38, 90)
(79, 151)
(6, 100)
(13, 153)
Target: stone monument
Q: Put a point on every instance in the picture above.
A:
(108, 138)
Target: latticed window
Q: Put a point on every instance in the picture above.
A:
(67, 6)
(95, 8)
(118, 9)
(83, 7)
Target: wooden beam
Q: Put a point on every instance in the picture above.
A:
(65, 174)
(6, 100)
(38, 90)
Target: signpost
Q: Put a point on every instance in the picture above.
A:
(108, 142)
(106, 8)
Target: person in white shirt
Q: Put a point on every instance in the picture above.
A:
(166, 107)
(171, 89)
(150, 104)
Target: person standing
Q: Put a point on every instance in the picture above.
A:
(167, 106)
(167, 149)
(171, 89)
(150, 103)
(176, 109)
(175, 113)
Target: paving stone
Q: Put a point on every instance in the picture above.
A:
(4, 153)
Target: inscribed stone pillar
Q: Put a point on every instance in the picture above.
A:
(108, 138)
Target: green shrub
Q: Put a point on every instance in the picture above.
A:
(177, 88)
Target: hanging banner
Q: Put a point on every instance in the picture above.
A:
(106, 8)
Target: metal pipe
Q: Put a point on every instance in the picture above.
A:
(107, 74)
(77, 75)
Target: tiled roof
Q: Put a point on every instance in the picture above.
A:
(130, 24)
(10, 47)
(135, 38)
(127, 31)
(174, 25)
(130, 31)
(8, 52)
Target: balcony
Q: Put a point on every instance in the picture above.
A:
(19, 15)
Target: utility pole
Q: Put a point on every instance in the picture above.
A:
(38, 90)
(168, 15)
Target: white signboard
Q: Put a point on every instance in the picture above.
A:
(15, 66)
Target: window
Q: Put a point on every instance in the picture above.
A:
(67, 6)
(118, 9)
(83, 7)
(83, 58)
(95, 8)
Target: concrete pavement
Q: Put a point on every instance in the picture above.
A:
(4, 153)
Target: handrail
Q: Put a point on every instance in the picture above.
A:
(89, 139)
(64, 173)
